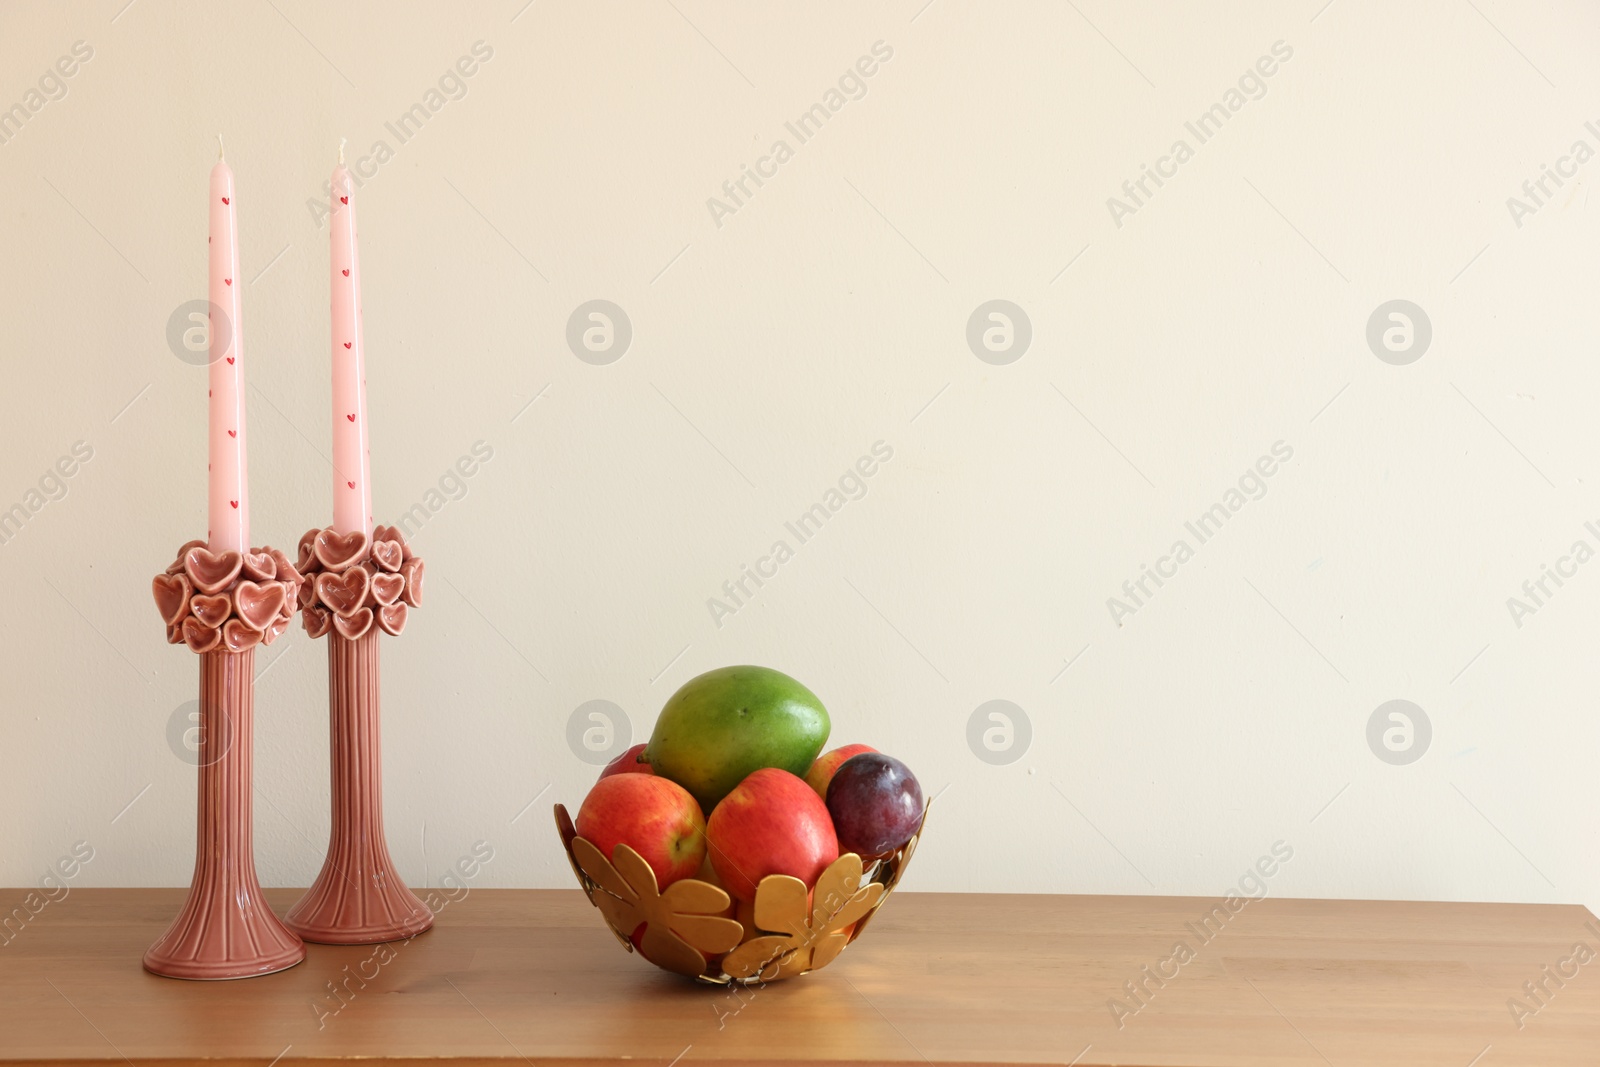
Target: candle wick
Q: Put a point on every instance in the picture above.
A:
(219, 146)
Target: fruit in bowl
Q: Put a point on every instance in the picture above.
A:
(719, 727)
(875, 803)
(772, 823)
(656, 818)
(630, 762)
(725, 848)
(821, 772)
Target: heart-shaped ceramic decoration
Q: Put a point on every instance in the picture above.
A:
(386, 588)
(307, 559)
(318, 620)
(174, 633)
(287, 571)
(353, 626)
(172, 596)
(259, 566)
(393, 533)
(343, 593)
(237, 637)
(392, 619)
(388, 554)
(286, 611)
(412, 571)
(257, 605)
(336, 551)
(270, 634)
(199, 637)
(211, 571)
(211, 611)
(177, 565)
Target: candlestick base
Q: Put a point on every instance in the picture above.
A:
(359, 586)
(358, 898)
(222, 605)
(225, 930)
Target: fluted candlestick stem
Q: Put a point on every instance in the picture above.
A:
(226, 929)
(359, 898)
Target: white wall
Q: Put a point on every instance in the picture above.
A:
(769, 352)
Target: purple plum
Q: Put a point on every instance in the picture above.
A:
(876, 804)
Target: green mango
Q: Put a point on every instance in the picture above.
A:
(721, 726)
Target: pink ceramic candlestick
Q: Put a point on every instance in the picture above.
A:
(365, 579)
(228, 502)
(222, 598)
(359, 897)
(352, 493)
(226, 929)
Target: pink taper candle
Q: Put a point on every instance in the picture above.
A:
(228, 500)
(352, 491)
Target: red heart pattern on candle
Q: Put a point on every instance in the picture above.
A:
(227, 281)
(336, 551)
(211, 571)
(412, 570)
(224, 200)
(235, 504)
(392, 619)
(344, 200)
(257, 604)
(259, 566)
(172, 596)
(351, 417)
(352, 485)
(387, 554)
(346, 272)
(233, 433)
(211, 611)
(386, 588)
(343, 593)
(347, 345)
(237, 637)
(318, 620)
(198, 637)
(353, 626)
(230, 363)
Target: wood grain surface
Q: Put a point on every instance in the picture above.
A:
(513, 976)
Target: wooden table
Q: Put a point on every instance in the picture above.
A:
(511, 976)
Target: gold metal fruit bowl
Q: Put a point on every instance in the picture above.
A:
(696, 929)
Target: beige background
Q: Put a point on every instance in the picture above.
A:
(770, 352)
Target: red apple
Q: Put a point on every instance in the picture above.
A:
(772, 823)
(630, 762)
(656, 818)
(821, 772)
